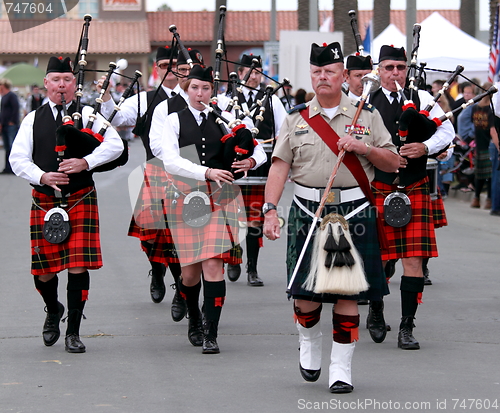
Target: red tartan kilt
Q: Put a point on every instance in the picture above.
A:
(148, 212)
(438, 212)
(417, 238)
(253, 196)
(81, 249)
(218, 237)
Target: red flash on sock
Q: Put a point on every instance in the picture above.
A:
(219, 301)
(85, 295)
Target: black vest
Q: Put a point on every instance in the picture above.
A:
(176, 104)
(45, 156)
(212, 154)
(151, 105)
(266, 126)
(416, 168)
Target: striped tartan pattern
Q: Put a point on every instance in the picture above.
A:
(81, 249)
(482, 166)
(148, 213)
(417, 238)
(219, 236)
(439, 212)
(253, 196)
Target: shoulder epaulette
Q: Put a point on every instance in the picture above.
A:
(297, 108)
(366, 106)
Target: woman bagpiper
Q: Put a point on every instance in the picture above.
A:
(202, 207)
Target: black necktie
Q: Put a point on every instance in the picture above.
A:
(203, 120)
(250, 100)
(395, 101)
(59, 116)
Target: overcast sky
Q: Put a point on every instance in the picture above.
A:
(194, 5)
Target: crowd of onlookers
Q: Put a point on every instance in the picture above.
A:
(473, 166)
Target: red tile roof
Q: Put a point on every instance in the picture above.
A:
(197, 26)
(63, 35)
(254, 26)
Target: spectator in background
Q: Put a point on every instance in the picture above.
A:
(287, 99)
(9, 119)
(310, 96)
(300, 96)
(485, 132)
(35, 99)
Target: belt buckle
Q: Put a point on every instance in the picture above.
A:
(333, 197)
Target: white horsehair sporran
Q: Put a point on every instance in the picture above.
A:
(336, 265)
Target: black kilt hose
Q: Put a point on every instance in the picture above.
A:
(81, 249)
(363, 230)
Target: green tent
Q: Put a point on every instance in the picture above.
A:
(23, 74)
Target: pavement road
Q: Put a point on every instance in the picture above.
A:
(139, 360)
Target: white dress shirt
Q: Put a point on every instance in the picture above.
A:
(21, 156)
(170, 151)
(444, 134)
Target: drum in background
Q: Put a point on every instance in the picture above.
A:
(259, 175)
(432, 173)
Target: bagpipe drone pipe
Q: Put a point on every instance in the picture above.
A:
(71, 140)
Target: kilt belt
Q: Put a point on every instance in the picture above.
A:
(336, 196)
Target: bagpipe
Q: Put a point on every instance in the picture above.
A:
(74, 141)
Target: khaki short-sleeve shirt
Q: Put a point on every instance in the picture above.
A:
(311, 160)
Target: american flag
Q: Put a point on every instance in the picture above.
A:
(494, 51)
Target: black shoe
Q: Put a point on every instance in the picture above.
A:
(341, 387)
(210, 345)
(254, 280)
(157, 287)
(309, 375)
(427, 280)
(73, 344)
(179, 306)
(51, 331)
(406, 341)
(233, 272)
(195, 331)
(375, 322)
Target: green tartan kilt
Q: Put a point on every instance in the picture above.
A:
(363, 231)
(482, 168)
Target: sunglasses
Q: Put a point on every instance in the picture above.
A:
(164, 66)
(390, 68)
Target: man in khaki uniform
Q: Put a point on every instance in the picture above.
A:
(300, 149)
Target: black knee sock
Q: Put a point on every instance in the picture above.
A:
(253, 239)
(192, 297)
(157, 267)
(176, 271)
(410, 288)
(307, 320)
(48, 291)
(345, 328)
(78, 292)
(214, 294)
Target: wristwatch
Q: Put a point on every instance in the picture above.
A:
(267, 207)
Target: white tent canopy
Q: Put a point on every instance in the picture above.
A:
(442, 46)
